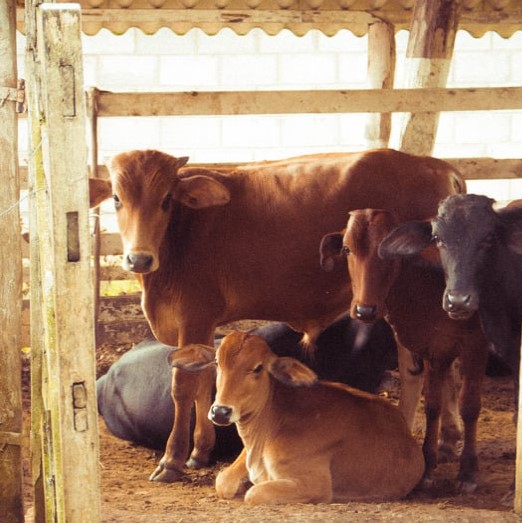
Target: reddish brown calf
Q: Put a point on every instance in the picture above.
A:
(408, 293)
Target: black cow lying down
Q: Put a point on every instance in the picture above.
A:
(134, 396)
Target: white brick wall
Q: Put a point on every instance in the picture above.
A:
(226, 61)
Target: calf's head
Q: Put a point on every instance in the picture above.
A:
(371, 277)
(246, 367)
(146, 187)
(468, 233)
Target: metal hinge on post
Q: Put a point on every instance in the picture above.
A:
(14, 95)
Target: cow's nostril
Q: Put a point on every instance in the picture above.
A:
(459, 300)
(365, 312)
(220, 415)
(137, 262)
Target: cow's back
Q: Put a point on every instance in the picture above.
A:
(258, 256)
(372, 454)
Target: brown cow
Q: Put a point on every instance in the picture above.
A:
(409, 294)
(210, 247)
(305, 440)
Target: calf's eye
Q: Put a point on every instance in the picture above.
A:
(345, 250)
(117, 201)
(256, 371)
(165, 205)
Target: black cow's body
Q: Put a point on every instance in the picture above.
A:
(134, 397)
(481, 254)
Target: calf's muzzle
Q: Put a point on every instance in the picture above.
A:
(460, 305)
(365, 312)
(138, 262)
(220, 415)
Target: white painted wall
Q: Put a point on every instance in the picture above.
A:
(195, 61)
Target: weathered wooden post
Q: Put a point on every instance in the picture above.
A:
(518, 464)
(429, 53)
(44, 506)
(69, 437)
(11, 500)
(381, 70)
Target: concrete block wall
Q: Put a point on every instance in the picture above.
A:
(195, 61)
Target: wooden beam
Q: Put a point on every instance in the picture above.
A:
(302, 102)
(327, 19)
(428, 60)
(69, 358)
(381, 74)
(11, 495)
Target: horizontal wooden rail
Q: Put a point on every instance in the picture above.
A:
(308, 102)
(471, 168)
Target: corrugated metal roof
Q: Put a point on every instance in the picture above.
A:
(299, 16)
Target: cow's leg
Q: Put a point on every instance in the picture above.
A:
(204, 433)
(233, 480)
(411, 384)
(291, 491)
(434, 375)
(184, 390)
(451, 426)
(474, 362)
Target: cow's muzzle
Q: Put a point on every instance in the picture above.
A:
(460, 305)
(365, 312)
(220, 415)
(141, 262)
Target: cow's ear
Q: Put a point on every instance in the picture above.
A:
(330, 250)
(407, 239)
(181, 161)
(292, 372)
(512, 217)
(199, 191)
(193, 358)
(99, 190)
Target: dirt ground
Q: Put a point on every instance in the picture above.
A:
(128, 497)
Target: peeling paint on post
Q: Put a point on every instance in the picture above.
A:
(69, 430)
(11, 505)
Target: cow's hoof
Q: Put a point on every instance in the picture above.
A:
(165, 475)
(466, 487)
(426, 483)
(508, 498)
(194, 463)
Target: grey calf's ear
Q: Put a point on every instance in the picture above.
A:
(292, 372)
(193, 358)
(330, 250)
(407, 239)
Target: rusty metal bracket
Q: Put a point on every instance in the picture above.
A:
(10, 94)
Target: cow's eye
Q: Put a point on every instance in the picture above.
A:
(345, 250)
(165, 205)
(117, 201)
(256, 371)
(436, 239)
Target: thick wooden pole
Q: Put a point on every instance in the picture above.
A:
(429, 53)
(11, 501)
(41, 475)
(381, 71)
(70, 450)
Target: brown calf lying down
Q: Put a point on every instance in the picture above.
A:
(305, 440)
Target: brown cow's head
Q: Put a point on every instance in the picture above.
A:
(245, 365)
(371, 276)
(145, 185)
